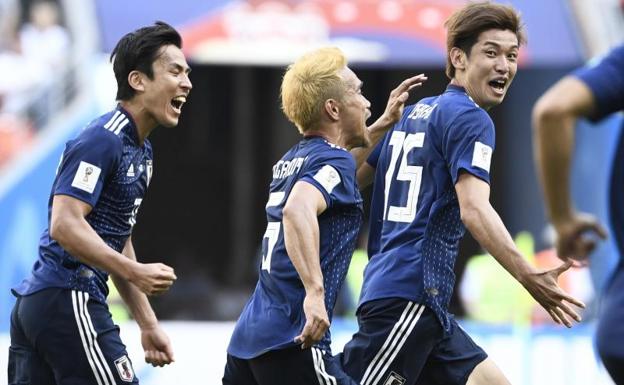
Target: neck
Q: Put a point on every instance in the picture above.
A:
(143, 121)
(329, 133)
(458, 80)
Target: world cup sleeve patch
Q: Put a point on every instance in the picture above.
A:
(482, 156)
(86, 177)
(327, 177)
(124, 369)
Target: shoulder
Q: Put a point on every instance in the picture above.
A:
(327, 152)
(97, 135)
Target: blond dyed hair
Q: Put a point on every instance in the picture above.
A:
(309, 82)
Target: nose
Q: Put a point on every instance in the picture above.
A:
(186, 83)
(502, 65)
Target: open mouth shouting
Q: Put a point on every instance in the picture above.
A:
(498, 85)
(177, 103)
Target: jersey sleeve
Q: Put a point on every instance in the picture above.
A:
(87, 163)
(605, 79)
(469, 144)
(333, 174)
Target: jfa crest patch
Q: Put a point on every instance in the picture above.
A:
(394, 379)
(124, 368)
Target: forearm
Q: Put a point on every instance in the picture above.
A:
(488, 229)
(376, 131)
(301, 236)
(79, 239)
(554, 145)
(136, 301)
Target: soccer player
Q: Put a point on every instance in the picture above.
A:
(314, 213)
(432, 173)
(592, 92)
(61, 329)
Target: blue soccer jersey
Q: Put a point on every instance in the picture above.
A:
(419, 164)
(106, 167)
(606, 82)
(274, 315)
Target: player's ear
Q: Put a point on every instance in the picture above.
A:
(332, 108)
(458, 58)
(135, 79)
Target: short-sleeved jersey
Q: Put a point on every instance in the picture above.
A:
(274, 315)
(107, 168)
(606, 82)
(375, 218)
(419, 164)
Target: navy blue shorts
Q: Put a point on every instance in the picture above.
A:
(402, 343)
(292, 366)
(61, 337)
(610, 330)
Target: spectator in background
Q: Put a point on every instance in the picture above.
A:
(42, 39)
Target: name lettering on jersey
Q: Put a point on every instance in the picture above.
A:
(86, 177)
(130, 172)
(482, 156)
(117, 123)
(285, 168)
(421, 111)
(328, 177)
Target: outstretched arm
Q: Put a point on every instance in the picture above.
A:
(156, 344)
(301, 236)
(488, 229)
(554, 119)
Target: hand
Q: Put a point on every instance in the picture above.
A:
(317, 321)
(398, 97)
(157, 347)
(152, 278)
(542, 285)
(576, 236)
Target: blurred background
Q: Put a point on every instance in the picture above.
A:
(204, 213)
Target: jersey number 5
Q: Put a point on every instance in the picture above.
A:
(401, 144)
(270, 235)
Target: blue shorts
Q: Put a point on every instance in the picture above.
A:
(402, 343)
(61, 337)
(610, 330)
(286, 367)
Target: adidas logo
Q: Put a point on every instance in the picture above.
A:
(130, 170)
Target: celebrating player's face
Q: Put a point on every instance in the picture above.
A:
(166, 93)
(491, 66)
(355, 112)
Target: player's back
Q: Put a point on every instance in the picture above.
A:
(274, 314)
(416, 172)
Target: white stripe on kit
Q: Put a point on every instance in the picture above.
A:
(393, 344)
(319, 366)
(115, 116)
(122, 125)
(96, 359)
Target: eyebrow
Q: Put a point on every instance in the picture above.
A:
(181, 67)
(490, 42)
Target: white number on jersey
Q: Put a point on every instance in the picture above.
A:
(271, 233)
(135, 211)
(401, 145)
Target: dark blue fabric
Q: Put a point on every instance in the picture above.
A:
(419, 164)
(417, 351)
(274, 314)
(47, 346)
(108, 144)
(285, 367)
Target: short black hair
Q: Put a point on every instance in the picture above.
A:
(137, 51)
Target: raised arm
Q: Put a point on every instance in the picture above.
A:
(301, 236)
(391, 115)
(488, 229)
(554, 119)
